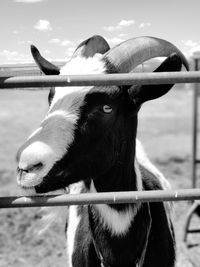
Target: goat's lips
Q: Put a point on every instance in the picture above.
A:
(28, 180)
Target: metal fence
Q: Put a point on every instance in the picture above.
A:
(35, 82)
(99, 79)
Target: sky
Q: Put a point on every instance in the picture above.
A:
(56, 27)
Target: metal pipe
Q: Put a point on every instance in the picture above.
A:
(100, 79)
(100, 198)
(195, 127)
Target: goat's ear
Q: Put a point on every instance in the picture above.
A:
(141, 94)
(45, 66)
(91, 46)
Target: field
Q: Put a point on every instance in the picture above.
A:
(165, 128)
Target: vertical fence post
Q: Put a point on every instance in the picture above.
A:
(195, 161)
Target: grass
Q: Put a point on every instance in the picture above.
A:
(165, 128)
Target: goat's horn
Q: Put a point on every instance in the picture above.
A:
(131, 53)
(91, 46)
(45, 66)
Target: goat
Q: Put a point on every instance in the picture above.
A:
(87, 141)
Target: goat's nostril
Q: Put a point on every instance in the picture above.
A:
(31, 168)
(36, 167)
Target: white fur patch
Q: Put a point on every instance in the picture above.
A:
(117, 222)
(138, 177)
(73, 222)
(144, 161)
(81, 65)
(40, 152)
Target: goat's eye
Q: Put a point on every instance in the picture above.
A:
(107, 109)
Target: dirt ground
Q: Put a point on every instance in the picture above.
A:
(165, 130)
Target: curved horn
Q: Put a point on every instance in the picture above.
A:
(91, 46)
(45, 66)
(131, 53)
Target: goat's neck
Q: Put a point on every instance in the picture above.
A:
(122, 176)
(114, 227)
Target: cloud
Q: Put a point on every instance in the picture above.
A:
(8, 53)
(24, 42)
(109, 28)
(190, 47)
(14, 57)
(114, 41)
(15, 32)
(60, 42)
(19, 30)
(43, 25)
(126, 23)
(47, 51)
(144, 25)
(122, 24)
(189, 43)
(54, 41)
(28, 1)
(122, 35)
(66, 43)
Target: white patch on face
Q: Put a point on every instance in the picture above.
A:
(40, 152)
(81, 65)
(50, 142)
(117, 222)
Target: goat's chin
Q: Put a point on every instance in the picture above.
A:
(54, 188)
(33, 192)
(27, 191)
(41, 189)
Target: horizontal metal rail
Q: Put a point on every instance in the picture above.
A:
(27, 72)
(100, 79)
(100, 198)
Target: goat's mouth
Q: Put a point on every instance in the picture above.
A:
(52, 182)
(41, 179)
(27, 183)
(46, 178)
(44, 186)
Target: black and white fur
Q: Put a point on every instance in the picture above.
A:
(88, 142)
